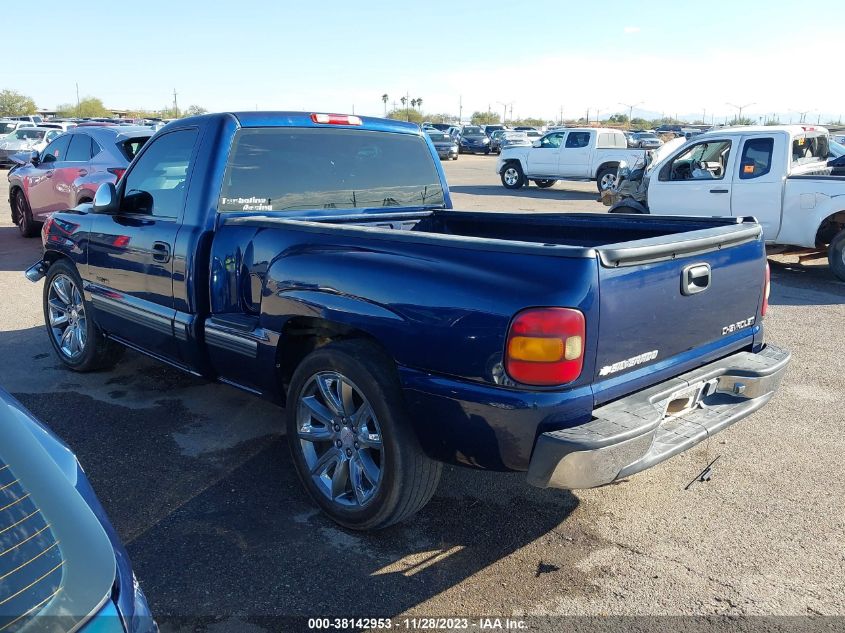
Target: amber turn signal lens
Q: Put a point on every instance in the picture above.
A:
(539, 350)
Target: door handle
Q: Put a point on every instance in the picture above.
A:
(49, 174)
(83, 172)
(695, 278)
(720, 191)
(161, 252)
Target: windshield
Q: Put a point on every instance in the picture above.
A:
(835, 150)
(472, 130)
(7, 126)
(439, 138)
(27, 134)
(279, 169)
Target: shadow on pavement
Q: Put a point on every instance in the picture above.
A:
(198, 481)
(795, 284)
(16, 252)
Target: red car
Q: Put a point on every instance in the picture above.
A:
(69, 171)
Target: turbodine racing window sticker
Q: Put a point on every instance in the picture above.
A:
(246, 204)
(628, 363)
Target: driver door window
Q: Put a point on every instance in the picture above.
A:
(55, 151)
(552, 141)
(702, 161)
(156, 184)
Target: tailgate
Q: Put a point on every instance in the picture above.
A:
(673, 303)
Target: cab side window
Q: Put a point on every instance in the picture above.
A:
(552, 140)
(578, 139)
(702, 161)
(157, 183)
(756, 159)
(56, 150)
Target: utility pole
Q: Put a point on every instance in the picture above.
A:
(505, 110)
(407, 105)
(803, 115)
(460, 109)
(561, 116)
(175, 105)
(588, 116)
(78, 107)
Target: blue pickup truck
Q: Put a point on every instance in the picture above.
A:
(316, 260)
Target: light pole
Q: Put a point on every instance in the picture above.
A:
(505, 110)
(740, 108)
(803, 114)
(630, 107)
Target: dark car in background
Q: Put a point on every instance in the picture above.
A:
(489, 129)
(443, 143)
(62, 566)
(69, 171)
(473, 140)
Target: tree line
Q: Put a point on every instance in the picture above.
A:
(13, 103)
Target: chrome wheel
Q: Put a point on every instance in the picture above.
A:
(511, 176)
(607, 181)
(340, 439)
(66, 313)
(21, 213)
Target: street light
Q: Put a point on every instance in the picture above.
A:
(803, 114)
(740, 108)
(505, 110)
(631, 110)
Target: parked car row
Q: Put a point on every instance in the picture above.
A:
(54, 170)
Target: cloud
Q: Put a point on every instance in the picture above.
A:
(631, 29)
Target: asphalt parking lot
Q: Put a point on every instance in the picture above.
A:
(197, 480)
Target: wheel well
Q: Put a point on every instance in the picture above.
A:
(612, 165)
(87, 196)
(302, 335)
(51, 257)
(510, 161)
(12, 193)
(829, 228)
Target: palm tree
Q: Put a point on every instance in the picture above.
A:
(419, 104)
(384, 100)
(404, 100)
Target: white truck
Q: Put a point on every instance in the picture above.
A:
(567, 154)
(778, 174)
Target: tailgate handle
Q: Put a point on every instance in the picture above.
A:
(695, 278)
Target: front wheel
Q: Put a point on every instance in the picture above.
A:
(351, 440)
(836, 255)
(75, 338)
(512, 176)
(544, 184)
(23, 216)
(606, 178)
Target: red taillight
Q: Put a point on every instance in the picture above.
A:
(45, 229)
(767, 288)
(336, 119)
(117, 171)
(545, 346)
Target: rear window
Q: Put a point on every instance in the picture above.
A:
(439, 138)
(278, 169)
(132, 146)
(809, 148)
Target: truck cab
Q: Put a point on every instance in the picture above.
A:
(777, 174)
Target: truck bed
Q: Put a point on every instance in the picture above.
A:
(616, 239)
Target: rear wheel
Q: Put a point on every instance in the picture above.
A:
(512, 176)
(23, 216)
(351, 440)
(75, 338)
(606, 178)
(544, 184)
(836, 255)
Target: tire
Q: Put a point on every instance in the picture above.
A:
(65, 309)
(23, 216)
(626, 209)
(487, 152)
(544, 184)
(512, 176)
(395, 478)
(605, 178)
(836, 255)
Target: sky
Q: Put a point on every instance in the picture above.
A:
(684, 58)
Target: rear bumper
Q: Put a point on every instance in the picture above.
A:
(635, 433)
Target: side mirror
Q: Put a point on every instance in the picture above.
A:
(34, 158)
(105, 200)
(535, 144)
